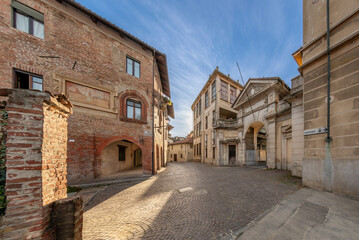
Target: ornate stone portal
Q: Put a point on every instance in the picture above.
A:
(262, 132)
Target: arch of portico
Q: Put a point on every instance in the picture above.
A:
(259, 105)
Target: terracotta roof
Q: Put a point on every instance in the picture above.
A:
(186, 141)
(160, 57)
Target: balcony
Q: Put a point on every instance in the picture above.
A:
(227, 124)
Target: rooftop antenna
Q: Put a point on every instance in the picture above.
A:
(250, 104)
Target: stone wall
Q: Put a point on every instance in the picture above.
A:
(36, 162)
(331, 166)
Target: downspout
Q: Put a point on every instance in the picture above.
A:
(329, 138)
(328, 164)
(153, 114)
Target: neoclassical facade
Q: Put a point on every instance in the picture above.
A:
(266, 129)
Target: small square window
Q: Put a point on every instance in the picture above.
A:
(27, 80)
(133, 67)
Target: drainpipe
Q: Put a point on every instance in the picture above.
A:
(153, 114)
(328, 165)
(329, 138)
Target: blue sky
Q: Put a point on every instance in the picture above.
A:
(198, 35)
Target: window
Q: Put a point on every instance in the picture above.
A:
(200, 149)
(121, 153)
(133, 109)
(224, 91)
(205, 140)
(233, 94)
(26, 80)
(206, 122)
(133, 67)
(214, 91)
(214, 152)
(200, 127)
(181, 155)
(28, 20)
(213, 138)
(206, 153)
(199, 107)
(206, 98)
(213, 117)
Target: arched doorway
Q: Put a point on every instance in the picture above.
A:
(256, 144)
(119, 156)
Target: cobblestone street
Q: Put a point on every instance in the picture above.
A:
(186, 201)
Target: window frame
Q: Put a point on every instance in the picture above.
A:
(213, 117)
(234, 90)
(134, 108)
(206, 99)
(133, 66)
(30, 13)
(214, 93)
(31, 75)
(224, 91)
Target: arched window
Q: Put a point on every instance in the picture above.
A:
(133, 109)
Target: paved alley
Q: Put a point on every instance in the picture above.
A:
(186, 201)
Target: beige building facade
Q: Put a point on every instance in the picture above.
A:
(258, 124)
(331, 159)
(181, 151)
(211, 105)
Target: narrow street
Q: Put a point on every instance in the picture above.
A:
(186, 201)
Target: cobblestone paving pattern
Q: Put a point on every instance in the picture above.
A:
(222, 199)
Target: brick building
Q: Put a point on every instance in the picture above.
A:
(116, 82)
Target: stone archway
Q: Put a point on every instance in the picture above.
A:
(119, 156)
(256, 144)
(102, 161)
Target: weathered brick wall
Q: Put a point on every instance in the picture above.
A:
(24, 213)
(66, 217)
(36, 162)
(73, 47)
(54, 154)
